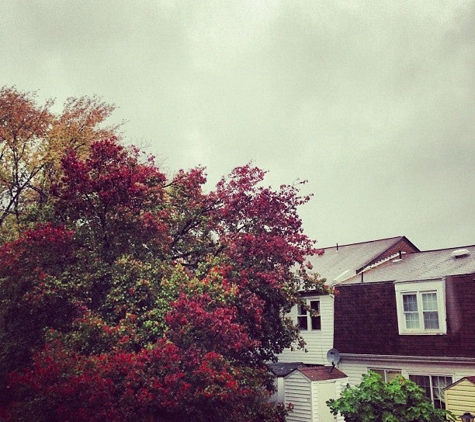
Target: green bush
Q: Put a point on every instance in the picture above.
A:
(374, 400)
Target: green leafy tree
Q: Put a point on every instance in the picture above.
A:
(374, 400)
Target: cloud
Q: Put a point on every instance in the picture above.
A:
(373, 102)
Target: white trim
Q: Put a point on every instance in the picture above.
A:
(308, 316)
(355, 357)
(418, 288)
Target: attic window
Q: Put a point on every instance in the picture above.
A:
(460, 253)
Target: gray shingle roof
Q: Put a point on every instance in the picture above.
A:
(418, 266)
(339, 263)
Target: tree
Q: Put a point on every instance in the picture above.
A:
(374, 400)
(33, 140)
(142, 297)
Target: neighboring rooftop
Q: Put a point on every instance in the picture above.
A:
(419, 266)
(321, 373)
(281, 369)
(341, 262)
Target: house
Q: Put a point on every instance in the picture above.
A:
(398, 311)
(336, 264)
(413, 315)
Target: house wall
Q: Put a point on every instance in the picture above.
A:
(279, 394)
(309, 398)
(366, 317)
(356, 366)
(318, 342)
(328, 390)
(298, 392)
(460, 398)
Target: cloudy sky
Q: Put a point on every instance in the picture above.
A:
(373, 102)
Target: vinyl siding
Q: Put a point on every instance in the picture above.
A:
(355, 369)
(318, 342)
(305, 396)
(460, 398)
(298, 392)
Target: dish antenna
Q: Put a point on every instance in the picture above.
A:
(333, 356)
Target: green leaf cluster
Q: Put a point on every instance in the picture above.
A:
(399, 400)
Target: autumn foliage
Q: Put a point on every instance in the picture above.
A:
(141, 297)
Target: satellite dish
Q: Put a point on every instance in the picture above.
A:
(333, 356)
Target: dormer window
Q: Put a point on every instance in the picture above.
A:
(421, 307)
(308, 316)
(420, 310)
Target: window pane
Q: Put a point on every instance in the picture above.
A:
(412, 320)
(410, 303)
(316, 323)
(315, 305)
(438, 385)
(422, 381)
(316, 320)
(379, 372)
(387, 374)
(431, 320)
(302, 322)
(390, 375)
(429, 301)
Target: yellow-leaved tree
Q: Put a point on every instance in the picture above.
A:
(33, 141)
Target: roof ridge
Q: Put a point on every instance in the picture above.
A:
(362, 243)
(448, 249)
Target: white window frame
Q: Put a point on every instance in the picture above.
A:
(308, 302)
(418, 289)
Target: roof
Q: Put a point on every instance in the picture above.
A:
(321, 373)
(420, 266)
(343, 261)
(471, 379)
(281, 369)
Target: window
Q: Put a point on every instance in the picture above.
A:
(386, 374)
(420, 310)
(433, 386)
(421, 307)
(308, 316)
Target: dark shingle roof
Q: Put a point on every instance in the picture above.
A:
(321, 373)
(281, 369)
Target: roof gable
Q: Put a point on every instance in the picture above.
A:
(320, 373)
(464, 379)
(341, 262)
(420, 266)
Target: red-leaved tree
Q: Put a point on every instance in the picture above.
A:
(144, 298)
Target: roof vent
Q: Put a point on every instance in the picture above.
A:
(460, 253)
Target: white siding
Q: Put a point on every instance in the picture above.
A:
(326, 391)
(298, 391)
(318, 342)
(340, 386)
(309, 398)
(356, 368)
(279, 394)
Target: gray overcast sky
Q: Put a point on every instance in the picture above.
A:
(371, 101)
